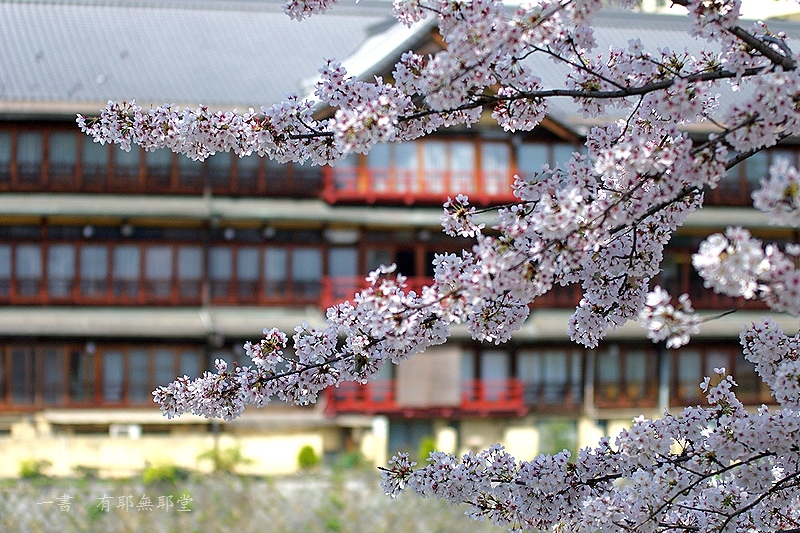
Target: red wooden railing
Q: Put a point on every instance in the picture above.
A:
(478, 397)
(398, 185)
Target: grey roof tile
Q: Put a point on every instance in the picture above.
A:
(222, 54)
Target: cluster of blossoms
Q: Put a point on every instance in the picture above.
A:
(719, 468)
(664, 321)
(601, 220)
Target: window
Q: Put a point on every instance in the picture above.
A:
(63, 151)
(113, 376)
(28, 266)
(275, 272)
(551, 376)
(626, 376)
(495, 160)
(126, 167)
(219, 170)
(159, 168)
(95, 163)
(5, 269)
(158, 271)
(306, 272)
(60, 270)
(345, 172)
(220, 271)
(530, 159)
(190, 173)
(190, 271)
(434, 166)
(494, 373)
(22, 383)
(94, 271)
(5, 158)
(29, 157)
(462, 167)
(81, 376)
(126, 271)
(247, 173)
(247, 273)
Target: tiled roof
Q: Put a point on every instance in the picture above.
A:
(222, 53)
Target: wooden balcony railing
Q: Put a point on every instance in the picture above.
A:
(403, 186)
(478, 398)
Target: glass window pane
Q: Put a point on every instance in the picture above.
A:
(345, 173)
(608, 365)
(275, 271)
(5, 157)
(29, 261)
(159, 166)
(434, 161)
(343, 262)
(247, 264)
(113, 376)
(755, 168)
(63, 152)
(158, 263)
(95, 162)
(462, 167)
(406, 166)
(377, 257)
(28, 267)
(5, 269)
(126, 164)
(126, 262)
(189, 364)
(380, 168)
(94, 270)
(60, 269)
(125, 271)
(219, 168)
(529, 367)
(495, 158)
(690, 373)
(29, 156)
(22, 376)
(138, 377)
(307, 272)
(190, 172)
(164, 367)
(220, 263)
(306, 264)
(81, 376)
(190, 262)
(247, 173)
(531, 158)
(52, 369)
(562, 154)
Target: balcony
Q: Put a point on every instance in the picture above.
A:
(478, 398)
(404, 186)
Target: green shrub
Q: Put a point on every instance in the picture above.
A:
(307, 458)
(426, 446)
(163, 473)
(225, 460)
(33, 468)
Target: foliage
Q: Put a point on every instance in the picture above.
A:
(307, 458)
(601, 221)
(164, 473)
(225, 460)
(33, 468)
(425, 448)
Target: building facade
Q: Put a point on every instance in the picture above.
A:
(122, 270)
